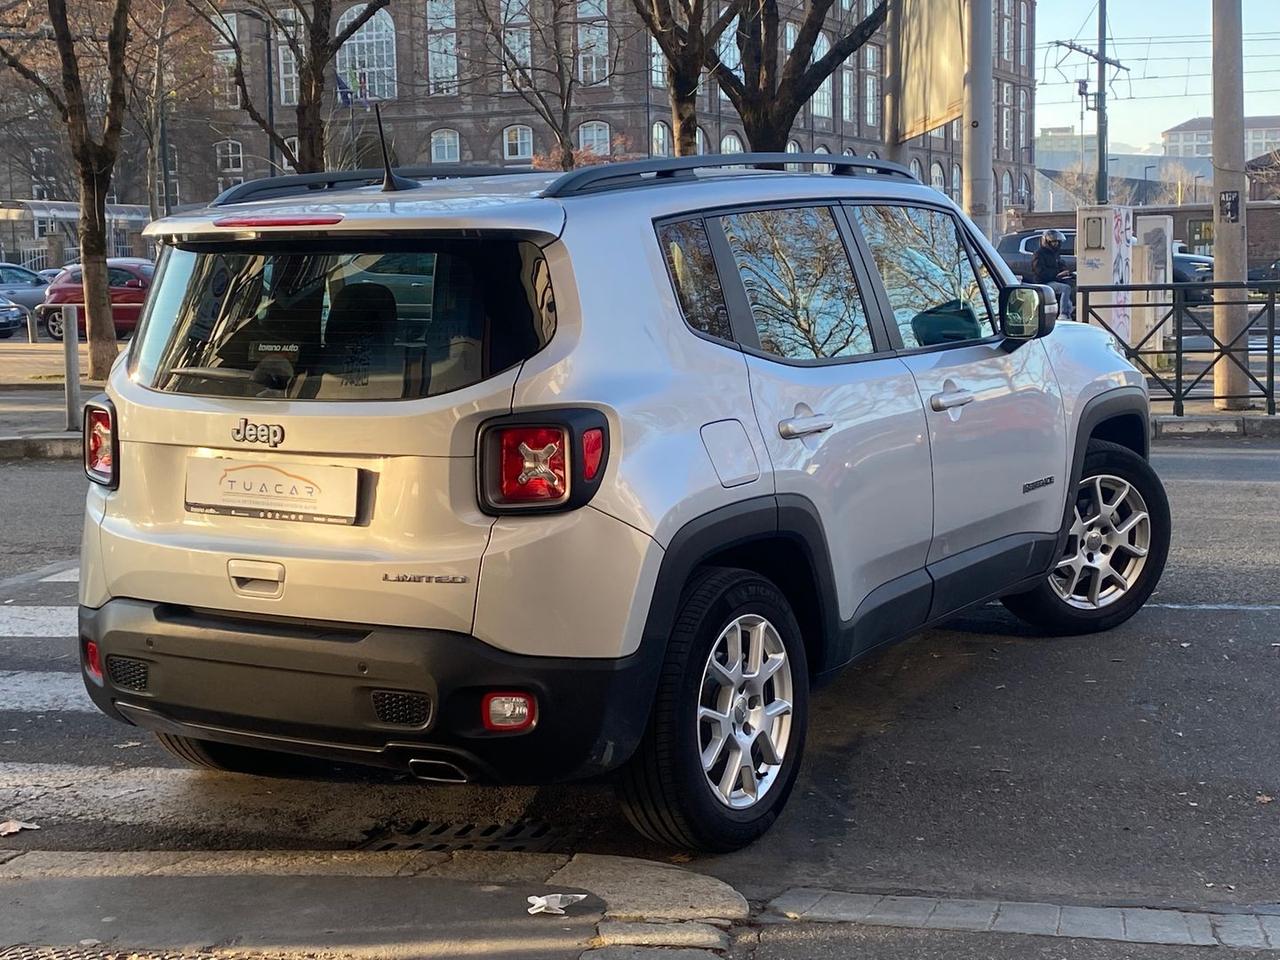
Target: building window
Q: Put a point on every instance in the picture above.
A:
(1025, 195)
(820, 104)
(292, 144)
(957, 183)
(871, 85)
(849, 152)
(229, 155)
(700, 141)
(916, 170)
(1006, 30)
(367, 61)
(43, 177)
(1006, 117)
(287, 63)
(175, 193)
(822, 167)
(730, 143)
(937, 177)
(1006, 191)
(793, 146)
(446, 146)
(517, 142)
(1024, 25)
(730, 55)
(657, 63)
(848, 96)
(442, 48)
(660, 140)
(939, 133)
(516, 51)
(1024, 108)
(593, 42)
(957, 128)
(872, 155)
(226, 93)
(593, 137)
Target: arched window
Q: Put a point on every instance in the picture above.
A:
(367, 62)
(1025, 196)
(793, 146)
(957, 183)
(916, 170)
(700, 141)
(517, 142)
(1006, 191)
(872, 155)
(937, 177)
(446, 146)
(821, 167)
(849, 152)
(730, 143)
(660, 141)
(594, 136)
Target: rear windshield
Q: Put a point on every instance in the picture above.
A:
(342, 320)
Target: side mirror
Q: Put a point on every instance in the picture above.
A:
(1027, 312)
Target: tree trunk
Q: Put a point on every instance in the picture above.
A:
(764, 134)
(310, 132)
(564, 153)
(684, 110)
(99, 324)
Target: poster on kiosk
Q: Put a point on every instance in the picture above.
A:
(1104, 258)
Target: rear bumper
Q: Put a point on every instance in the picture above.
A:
(306, 688)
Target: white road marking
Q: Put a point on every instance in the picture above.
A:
(70, 575)
(30, 691)
(17, 622)
(1232, 607)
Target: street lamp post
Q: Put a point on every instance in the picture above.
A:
(1146, 191)
(271, 89)
(1195, 187)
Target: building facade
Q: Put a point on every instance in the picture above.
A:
(445, 99)
(1194, 137)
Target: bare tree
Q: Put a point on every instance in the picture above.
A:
(688, 33)
(769, 95)
(306, 28)
(547, 52)
(81, 111)
(1081, 184)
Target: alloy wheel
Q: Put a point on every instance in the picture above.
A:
(1107, 545)
(745, 711)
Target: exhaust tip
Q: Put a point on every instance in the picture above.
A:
(437, 771)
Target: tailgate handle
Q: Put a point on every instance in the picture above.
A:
(257, 578)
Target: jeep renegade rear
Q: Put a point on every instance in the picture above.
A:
(533, 478)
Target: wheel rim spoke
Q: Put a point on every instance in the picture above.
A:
(1107, 543)
(732, 770)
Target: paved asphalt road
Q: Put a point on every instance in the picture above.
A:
(977, 760)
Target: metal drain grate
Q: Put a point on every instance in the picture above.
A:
(26, 952)
(524, 836)
(128, 673)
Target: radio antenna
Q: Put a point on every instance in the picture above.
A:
(390, 181)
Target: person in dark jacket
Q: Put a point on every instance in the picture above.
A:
(1048, 268)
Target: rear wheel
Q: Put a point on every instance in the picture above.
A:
(727, 730)
(227, 757)
(1116, 547)
(53, 324)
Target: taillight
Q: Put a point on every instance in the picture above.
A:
(537, 464)
(100, 446)
(534, 465)
(508, 712)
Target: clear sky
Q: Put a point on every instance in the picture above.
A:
(1166, 45)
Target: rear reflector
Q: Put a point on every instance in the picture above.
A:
(592, 452)
(316, 220)
(509, 712)
(93, 661)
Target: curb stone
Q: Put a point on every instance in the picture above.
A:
(644, 890)
(1227, 926)
(689, 933)
(1226, 425)
(42, 446)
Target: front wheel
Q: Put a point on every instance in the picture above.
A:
(727, 731)
(53, 324)
(1116, 547)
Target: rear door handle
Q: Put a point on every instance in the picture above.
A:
(794, 428)
(950, 399)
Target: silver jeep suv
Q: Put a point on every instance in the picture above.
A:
(527, 478)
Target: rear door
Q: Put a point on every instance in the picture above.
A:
(842, 420)
(995, 416)
(294, 442)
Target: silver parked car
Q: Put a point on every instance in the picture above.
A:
(671, 443)
(24, 287)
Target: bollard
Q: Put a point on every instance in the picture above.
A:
(71, 353)
(33, 328)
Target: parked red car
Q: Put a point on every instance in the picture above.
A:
(129, 278)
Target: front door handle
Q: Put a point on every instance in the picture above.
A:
(794, 428)
(950, 399)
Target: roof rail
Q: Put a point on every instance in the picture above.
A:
(297, 183)
(619, 176)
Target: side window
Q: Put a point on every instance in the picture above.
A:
(693, 272)
(117, 277)
(803, 295)
(933, 289)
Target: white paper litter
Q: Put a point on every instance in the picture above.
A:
(10, 827)
(554, 902)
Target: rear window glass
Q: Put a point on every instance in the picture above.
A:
(342, 320)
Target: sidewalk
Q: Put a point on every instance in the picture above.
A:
(402, 904)
(37, 366)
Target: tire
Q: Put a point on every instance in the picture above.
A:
(663, 788)
(229, 758)
(1108, 467)
(53, 324)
